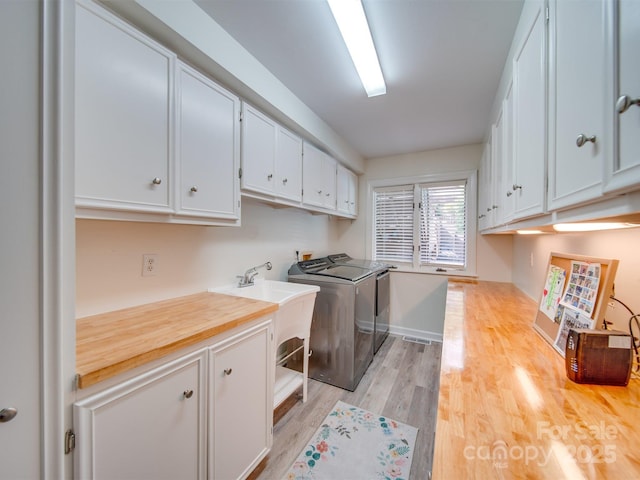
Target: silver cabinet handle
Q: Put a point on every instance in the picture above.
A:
(187, 393)
(509, 193)
(228, 371)
(194, 189)
(582, 139)
(8, 414)
(624, 103)
(328, 194)
(516, 187)
(156, 181)
(319, 192)
(488, 209)
(284, 181)
(270, 176)
(481, 216)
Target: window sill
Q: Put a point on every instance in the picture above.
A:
(451, 273)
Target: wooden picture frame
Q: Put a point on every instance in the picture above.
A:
(549, 328)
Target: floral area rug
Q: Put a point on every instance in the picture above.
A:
(354, 444)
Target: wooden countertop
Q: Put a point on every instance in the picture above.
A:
(506, 408)
(114, 342)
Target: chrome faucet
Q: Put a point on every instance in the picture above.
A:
(247, 279)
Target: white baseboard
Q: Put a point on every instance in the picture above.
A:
(412, 332)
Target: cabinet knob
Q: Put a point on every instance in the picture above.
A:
(509, 193)
(228, 371)
(194, 189)
(319, 192)
(270, 176)
(481, 216)
(582, 139)
(187, 393)
(328, 194)
(516, 187)
(156, 181)
(624, 103)
(488, 209)
(284, 181)
(8, 414)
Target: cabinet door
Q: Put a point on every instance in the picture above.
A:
(346, 191)
(497, 161)
(258, 151)
(505, 191)
(288, 181)
(623, 168)
(313, 173)
(151, 427)
(124, 86)
(241, 371)
(577, 95)
(484, 189)
(207, 147)
(529, 119)
(329, 176)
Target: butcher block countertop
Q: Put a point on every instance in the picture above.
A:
(111, 343)
(506, 408)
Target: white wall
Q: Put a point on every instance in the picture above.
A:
(619, 244)
(190, 258)
(418, 305)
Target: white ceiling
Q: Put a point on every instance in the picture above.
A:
(442, 61)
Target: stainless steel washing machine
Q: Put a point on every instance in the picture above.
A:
(342, 328)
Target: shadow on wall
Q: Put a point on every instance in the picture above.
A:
(418, 303)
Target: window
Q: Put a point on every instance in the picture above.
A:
(425, 225)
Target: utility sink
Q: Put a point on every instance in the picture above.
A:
(270, 291)
(292, 319)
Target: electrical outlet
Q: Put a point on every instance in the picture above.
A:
(149, 264)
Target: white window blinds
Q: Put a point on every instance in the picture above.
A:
(393, 224)
(443, 224)
(438, 227)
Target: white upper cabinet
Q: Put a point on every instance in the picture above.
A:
(497, 162)
(318, 178)
(529, 94)
(258, 151)
(288, 182)
(505, 190)
(347, 192)
(271, 157)
(485, 190)
(155, 139)
(623, 168)
(124, 90)
(207, 147)
(579, 135)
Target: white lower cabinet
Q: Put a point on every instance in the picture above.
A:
(241, 406)
(207, 414)
(150, 427)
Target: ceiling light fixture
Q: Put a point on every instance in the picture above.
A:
(590, 227)
(352, 22)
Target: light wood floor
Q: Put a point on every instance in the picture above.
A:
(401, 383)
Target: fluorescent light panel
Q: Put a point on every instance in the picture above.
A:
(353, 26)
